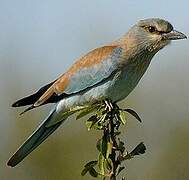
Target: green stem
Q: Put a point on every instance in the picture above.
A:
(113, 139)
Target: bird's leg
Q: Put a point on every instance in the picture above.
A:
(108, 105)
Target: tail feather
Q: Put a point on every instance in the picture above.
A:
(28, 109)
(34, 141)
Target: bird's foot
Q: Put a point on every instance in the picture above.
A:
(108, 105)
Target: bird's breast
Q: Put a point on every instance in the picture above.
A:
(116, 87)
(126, 79)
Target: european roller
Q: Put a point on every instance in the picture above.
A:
(108, 72)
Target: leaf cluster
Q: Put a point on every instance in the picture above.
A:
(108, 117)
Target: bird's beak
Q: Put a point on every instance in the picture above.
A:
(174, 35)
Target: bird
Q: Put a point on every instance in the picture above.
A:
(111, 72)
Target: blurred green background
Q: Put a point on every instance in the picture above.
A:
(39, 40)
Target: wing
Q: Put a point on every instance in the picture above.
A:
(91, 69)
(31, 99)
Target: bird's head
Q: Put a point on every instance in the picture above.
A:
(153, 34)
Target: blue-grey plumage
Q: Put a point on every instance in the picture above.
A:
(109, 72)
(34, 140)
(89, 76)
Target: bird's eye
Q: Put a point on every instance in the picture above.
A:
(151, 29)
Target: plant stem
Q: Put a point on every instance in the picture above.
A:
(113, 139)
(108, 119)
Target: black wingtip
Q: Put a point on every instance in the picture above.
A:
(24, 101)
(12, 162)
(9, 163)
(16, 104)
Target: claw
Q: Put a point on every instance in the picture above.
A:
(109, 105)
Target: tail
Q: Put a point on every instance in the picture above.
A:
(34, 140)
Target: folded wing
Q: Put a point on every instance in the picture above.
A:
(91, 69)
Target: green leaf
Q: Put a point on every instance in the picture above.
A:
(86, 111)
(101, 161)
(121, 168)
(77, 108)
(133, 113)
(109, 149)
(91, 164)
(84, 171)
(98, 144)
(102, 118)
(139, 149)
(101, 146)
(64, 115)
(104, 145)
(89, 125)
(117, 133)
(101, 111)
(108, 164)
(91, 122)
(122, 116)
(127, 156)
(121, 146)
(93, 172)
(88, 166)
